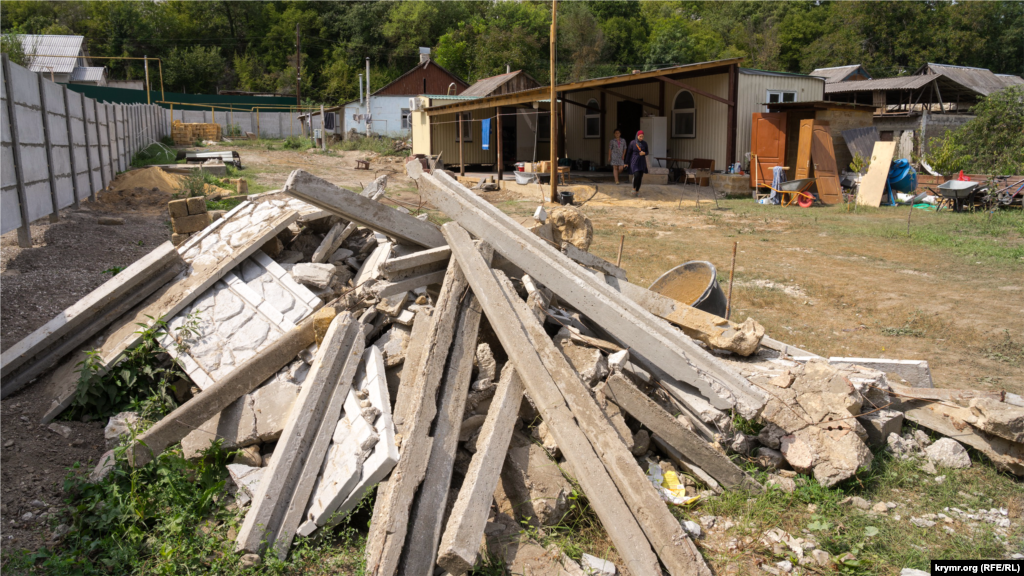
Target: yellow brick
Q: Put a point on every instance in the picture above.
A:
(190, 223)
(322, 321)
(177, 208)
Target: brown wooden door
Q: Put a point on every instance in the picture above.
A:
(824, 159)
(803, 152)
(767, 146)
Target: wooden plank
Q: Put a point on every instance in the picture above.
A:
(359, 209)
(269, 506)
(664, 532)
(650, 337)
(244, 379)
(592, 261)
(389, 528)
(625, 395)
(460, 544)
(824, 157)
(803, 150)
(872, 186)
(93, 303)
(427, 515)
(615, 516)
(301, 491)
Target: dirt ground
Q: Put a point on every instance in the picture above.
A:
(821, 279)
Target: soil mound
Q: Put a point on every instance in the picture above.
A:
(144, 189)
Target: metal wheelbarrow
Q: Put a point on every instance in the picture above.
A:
(957, 194)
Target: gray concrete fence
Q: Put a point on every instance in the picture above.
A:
(265, 124)
(59, 147)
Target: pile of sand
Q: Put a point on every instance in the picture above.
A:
(144, 189)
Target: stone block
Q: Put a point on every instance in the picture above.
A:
(196, 205)
(880, 424)
(271, 405)
(190, 224)
(178, 208)
(314, 275)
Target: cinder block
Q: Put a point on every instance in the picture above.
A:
(190, 223)
(880, 424)
(177, 208)
(196, 205)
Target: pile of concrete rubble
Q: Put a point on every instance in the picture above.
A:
(469, 371)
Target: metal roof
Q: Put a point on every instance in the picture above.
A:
(485, 86)
(899, 83)
(53, 45)
(839, 73)
(758, 72)
(981, 80)
(88, 74)
(424, 64)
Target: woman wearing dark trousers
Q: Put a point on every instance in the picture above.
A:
(636, 158)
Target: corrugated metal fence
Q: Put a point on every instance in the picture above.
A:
(59, 147)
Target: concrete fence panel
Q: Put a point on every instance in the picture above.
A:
(58, 145)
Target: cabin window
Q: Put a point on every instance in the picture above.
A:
(406, 119)
(467, 126)
(684, 115)
(592, 120)
(776, 96)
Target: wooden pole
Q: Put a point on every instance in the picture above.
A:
(497, 133)
(145, 64)
(553, 144)
(732, 270)
(462, 167)
(622, 240)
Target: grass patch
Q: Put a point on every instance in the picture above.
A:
(155, 153)
(380, 144)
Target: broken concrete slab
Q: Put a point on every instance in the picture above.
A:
(399, 267)
(591, 261)
(77, 322)
(385, 289)
(916, 372)
(879, 424)
(332, 241)
(315, 275)
(235, 426)
(247, 478)
(589, 363)
(271, 407)
(534, 484)
(356, 208)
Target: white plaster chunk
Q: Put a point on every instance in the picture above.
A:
(247, 478)
(226, 305)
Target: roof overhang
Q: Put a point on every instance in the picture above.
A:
(816, 105)
(544, 92)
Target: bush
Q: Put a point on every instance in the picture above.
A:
(156, 153)
(295, 143)
(194, 183)
(991, 143)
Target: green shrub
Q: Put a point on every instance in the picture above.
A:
(991, 143)
(380, 144)
(295, 143)
(155, 153)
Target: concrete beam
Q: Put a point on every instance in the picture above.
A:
(615, 516)
(390, 524)
(460, 544)
(434, 256)
(391, 288)
(332, 241)
(592, 261)
(362, 210)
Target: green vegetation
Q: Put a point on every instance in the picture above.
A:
(250, 45)
(991, 143)
(380, 144)
(295, 143)
(113, 270)
(156, 153)
(194, 183)
(11, 45)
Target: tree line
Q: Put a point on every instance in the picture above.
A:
(249, 45)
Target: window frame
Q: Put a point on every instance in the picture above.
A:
(406, 119)
(467, 126)
(589, 115)
(781, 94)
(691, 111)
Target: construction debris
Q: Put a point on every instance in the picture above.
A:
(517, 364)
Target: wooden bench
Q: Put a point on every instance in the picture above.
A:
(362, 164)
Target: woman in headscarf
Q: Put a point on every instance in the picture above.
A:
(636, 158)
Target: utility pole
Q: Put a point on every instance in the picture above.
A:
(554, 125)
(298, 68)
(145, 64)
(368, 120)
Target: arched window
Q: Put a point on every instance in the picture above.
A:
(684, 116)
(592, 120)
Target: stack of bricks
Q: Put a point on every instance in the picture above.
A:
(188, 216)
(186, 134)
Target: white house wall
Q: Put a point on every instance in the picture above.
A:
(387, 115)
(753, 93)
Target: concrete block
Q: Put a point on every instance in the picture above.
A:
(196, 205)
(190, 223)
(588, 362)
(339, 256)
(314, 275)
(271, 406)
(880, 424)
(534, 484)
(235, 425)
(177, 208)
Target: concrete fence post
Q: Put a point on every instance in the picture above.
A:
(71, 149)
(110, 140)
(48, 147)
(104, 179)
(88, 146)
(24, 231)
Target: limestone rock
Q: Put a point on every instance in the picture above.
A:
(103, 468)
(641, 442)
(903, 447)
(998, 418)
(742, 444)
(485, 364)
(271, 405)
(949, 453)
(533, 483)
(314, 275)
(787, 485)
(570, 224)
(588, 362)
(120, 426)
(815, 413)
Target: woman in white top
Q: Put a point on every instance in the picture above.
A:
(617, 153)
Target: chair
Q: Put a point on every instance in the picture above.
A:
(700, 170)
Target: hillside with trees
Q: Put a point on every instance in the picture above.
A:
(206, 46)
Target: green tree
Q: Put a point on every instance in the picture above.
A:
(991, 143)
(580, 41)
(10, 44)
(195, 70)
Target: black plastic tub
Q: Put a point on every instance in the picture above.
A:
(694, 284)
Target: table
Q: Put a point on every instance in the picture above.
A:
(672, 162)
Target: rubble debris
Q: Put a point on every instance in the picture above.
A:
(120, 426)
(570, 225)
(591, 261)
(948, 453)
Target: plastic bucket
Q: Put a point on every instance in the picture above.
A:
(565, 198)
(694, 284)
